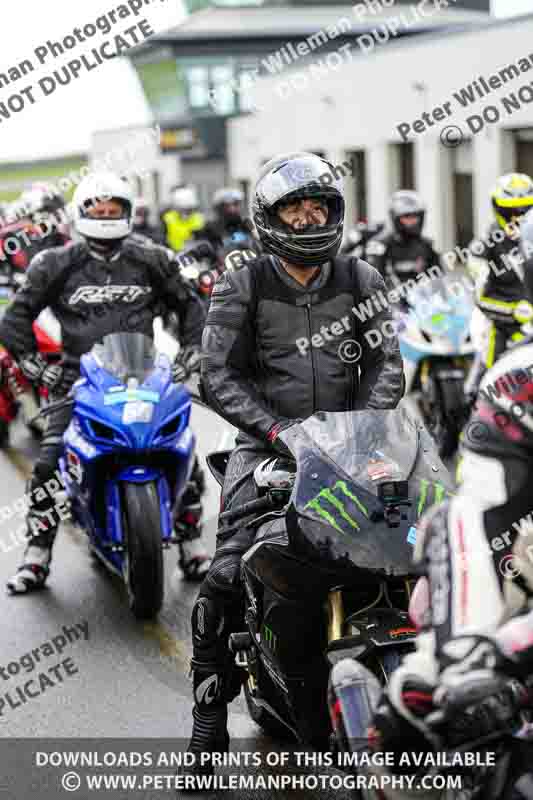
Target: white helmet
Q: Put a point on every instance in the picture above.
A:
(103, 186)
(185, 198)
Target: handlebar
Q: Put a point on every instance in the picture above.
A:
(261, 504)
(470, 692)
(44, 412)
(476, 691)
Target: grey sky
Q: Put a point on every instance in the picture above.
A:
(109, 97)
(507, 8)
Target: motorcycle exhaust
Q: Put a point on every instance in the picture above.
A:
(353, 695)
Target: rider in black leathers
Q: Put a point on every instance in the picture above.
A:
(37, 221)
(280, 343)
(108, 282)
(228, 231)
(403, 253)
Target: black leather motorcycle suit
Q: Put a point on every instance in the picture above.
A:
(273, 352)
(400, 258)
(92, 297)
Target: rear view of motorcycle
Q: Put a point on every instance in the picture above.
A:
(437, 349)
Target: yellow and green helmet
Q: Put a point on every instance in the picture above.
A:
(512, 197)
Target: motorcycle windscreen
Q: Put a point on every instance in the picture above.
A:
(444, 307)
(126, 355)
(342, 459)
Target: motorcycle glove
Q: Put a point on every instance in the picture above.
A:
(32, 366)
(273, 436)
(59, 377)
(186, 363)
(52, 376)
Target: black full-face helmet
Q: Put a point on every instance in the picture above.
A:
(406, 203)
(287, 179)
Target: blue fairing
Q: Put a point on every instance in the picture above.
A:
(136, 434)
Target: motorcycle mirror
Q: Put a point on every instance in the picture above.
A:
(217, 464)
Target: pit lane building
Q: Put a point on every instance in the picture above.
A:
(445, 113)
(202, 75)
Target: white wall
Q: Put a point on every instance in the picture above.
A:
(135, 152)
(360, 105)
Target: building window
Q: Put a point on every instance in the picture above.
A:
(404, 165)
(524, 151)
(463, 193)
(198, 79)
(360, 184)
(355, 188)
(222, 85)
(247, 88)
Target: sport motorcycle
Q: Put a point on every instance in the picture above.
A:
(127, 457)
(438, 351)
(329, 574)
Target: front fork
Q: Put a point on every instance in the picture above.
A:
(335, 610)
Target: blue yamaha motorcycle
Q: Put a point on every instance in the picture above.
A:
(128, 453)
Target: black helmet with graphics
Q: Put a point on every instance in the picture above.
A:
(288, 179)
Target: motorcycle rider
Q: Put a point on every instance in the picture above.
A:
(182, 220)
(109, 281)
(261, 372)
(495, 264)
(141, 220)
(229, 233)
(402, 253)
(38, 220)
(476, 551)
(357, 239)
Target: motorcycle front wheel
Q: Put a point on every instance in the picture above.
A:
(143, 556)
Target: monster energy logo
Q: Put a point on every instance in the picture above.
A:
(326, 497)
(338, 505)
(270, 638)
(439, 492)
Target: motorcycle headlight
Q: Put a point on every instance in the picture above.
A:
(97, 431)
(173, 427)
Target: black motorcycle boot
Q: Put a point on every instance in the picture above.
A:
(216, 682)
(210, 721)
